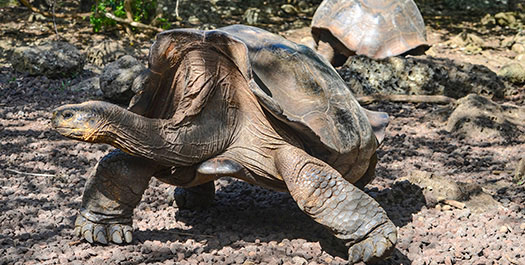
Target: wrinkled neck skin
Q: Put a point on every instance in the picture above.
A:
(166, 143)
(130, 132)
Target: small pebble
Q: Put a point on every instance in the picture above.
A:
(299, 260)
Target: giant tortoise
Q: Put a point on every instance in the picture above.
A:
(233, 103)
(375, 28)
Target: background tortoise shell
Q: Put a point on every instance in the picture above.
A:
(375, 28)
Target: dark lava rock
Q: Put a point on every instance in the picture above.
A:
(55, 59)
(117, 78)
(419, 76)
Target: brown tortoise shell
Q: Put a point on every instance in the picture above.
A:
(375, 28)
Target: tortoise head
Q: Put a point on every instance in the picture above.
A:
(87, 121)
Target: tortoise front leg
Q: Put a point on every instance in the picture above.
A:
(352, 215)
(332, 49)
(113, 190)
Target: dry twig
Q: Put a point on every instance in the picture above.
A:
(132, 23)
(74, 243)
(454, 203)
(190, 234)
(129, 15)
(54, 21)
(29, 174)
(439, 99)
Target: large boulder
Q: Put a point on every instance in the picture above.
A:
(420, 76)
(438, 189)
(117, 78)
(55, 59)
(480, 118)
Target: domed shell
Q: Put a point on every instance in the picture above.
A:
(375, 28)
(303, 90)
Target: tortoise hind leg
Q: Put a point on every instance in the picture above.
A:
(113, 190)
(353, 216)
(196, 195)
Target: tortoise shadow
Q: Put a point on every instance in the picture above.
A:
(243, 213)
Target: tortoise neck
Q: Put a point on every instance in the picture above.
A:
(132, 133)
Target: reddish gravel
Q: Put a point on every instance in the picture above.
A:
(42, 175)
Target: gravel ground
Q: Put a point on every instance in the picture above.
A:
(42, 175)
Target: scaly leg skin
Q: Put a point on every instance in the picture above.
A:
(198, 197)
(353, 216)
(114, 189)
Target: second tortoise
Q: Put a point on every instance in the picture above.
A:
(374, 28)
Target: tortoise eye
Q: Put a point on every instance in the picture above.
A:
(67, 114)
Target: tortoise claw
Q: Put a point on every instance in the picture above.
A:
(127, 234)
(77, 232)
(99, 234)
(376, 246)
(115, 232)
(102, 233)
(87, 232)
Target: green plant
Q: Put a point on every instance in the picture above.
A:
(141, 10)
(64, 85)
(163, 23)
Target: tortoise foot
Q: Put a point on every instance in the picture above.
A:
(103, 233)
(376, 246)
(190, 198)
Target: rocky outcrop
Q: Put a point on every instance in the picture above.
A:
(117, 78)
(420, 76)
(480, 118)
(55, 59)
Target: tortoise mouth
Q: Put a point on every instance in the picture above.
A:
(87, 135)
(69, 131)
